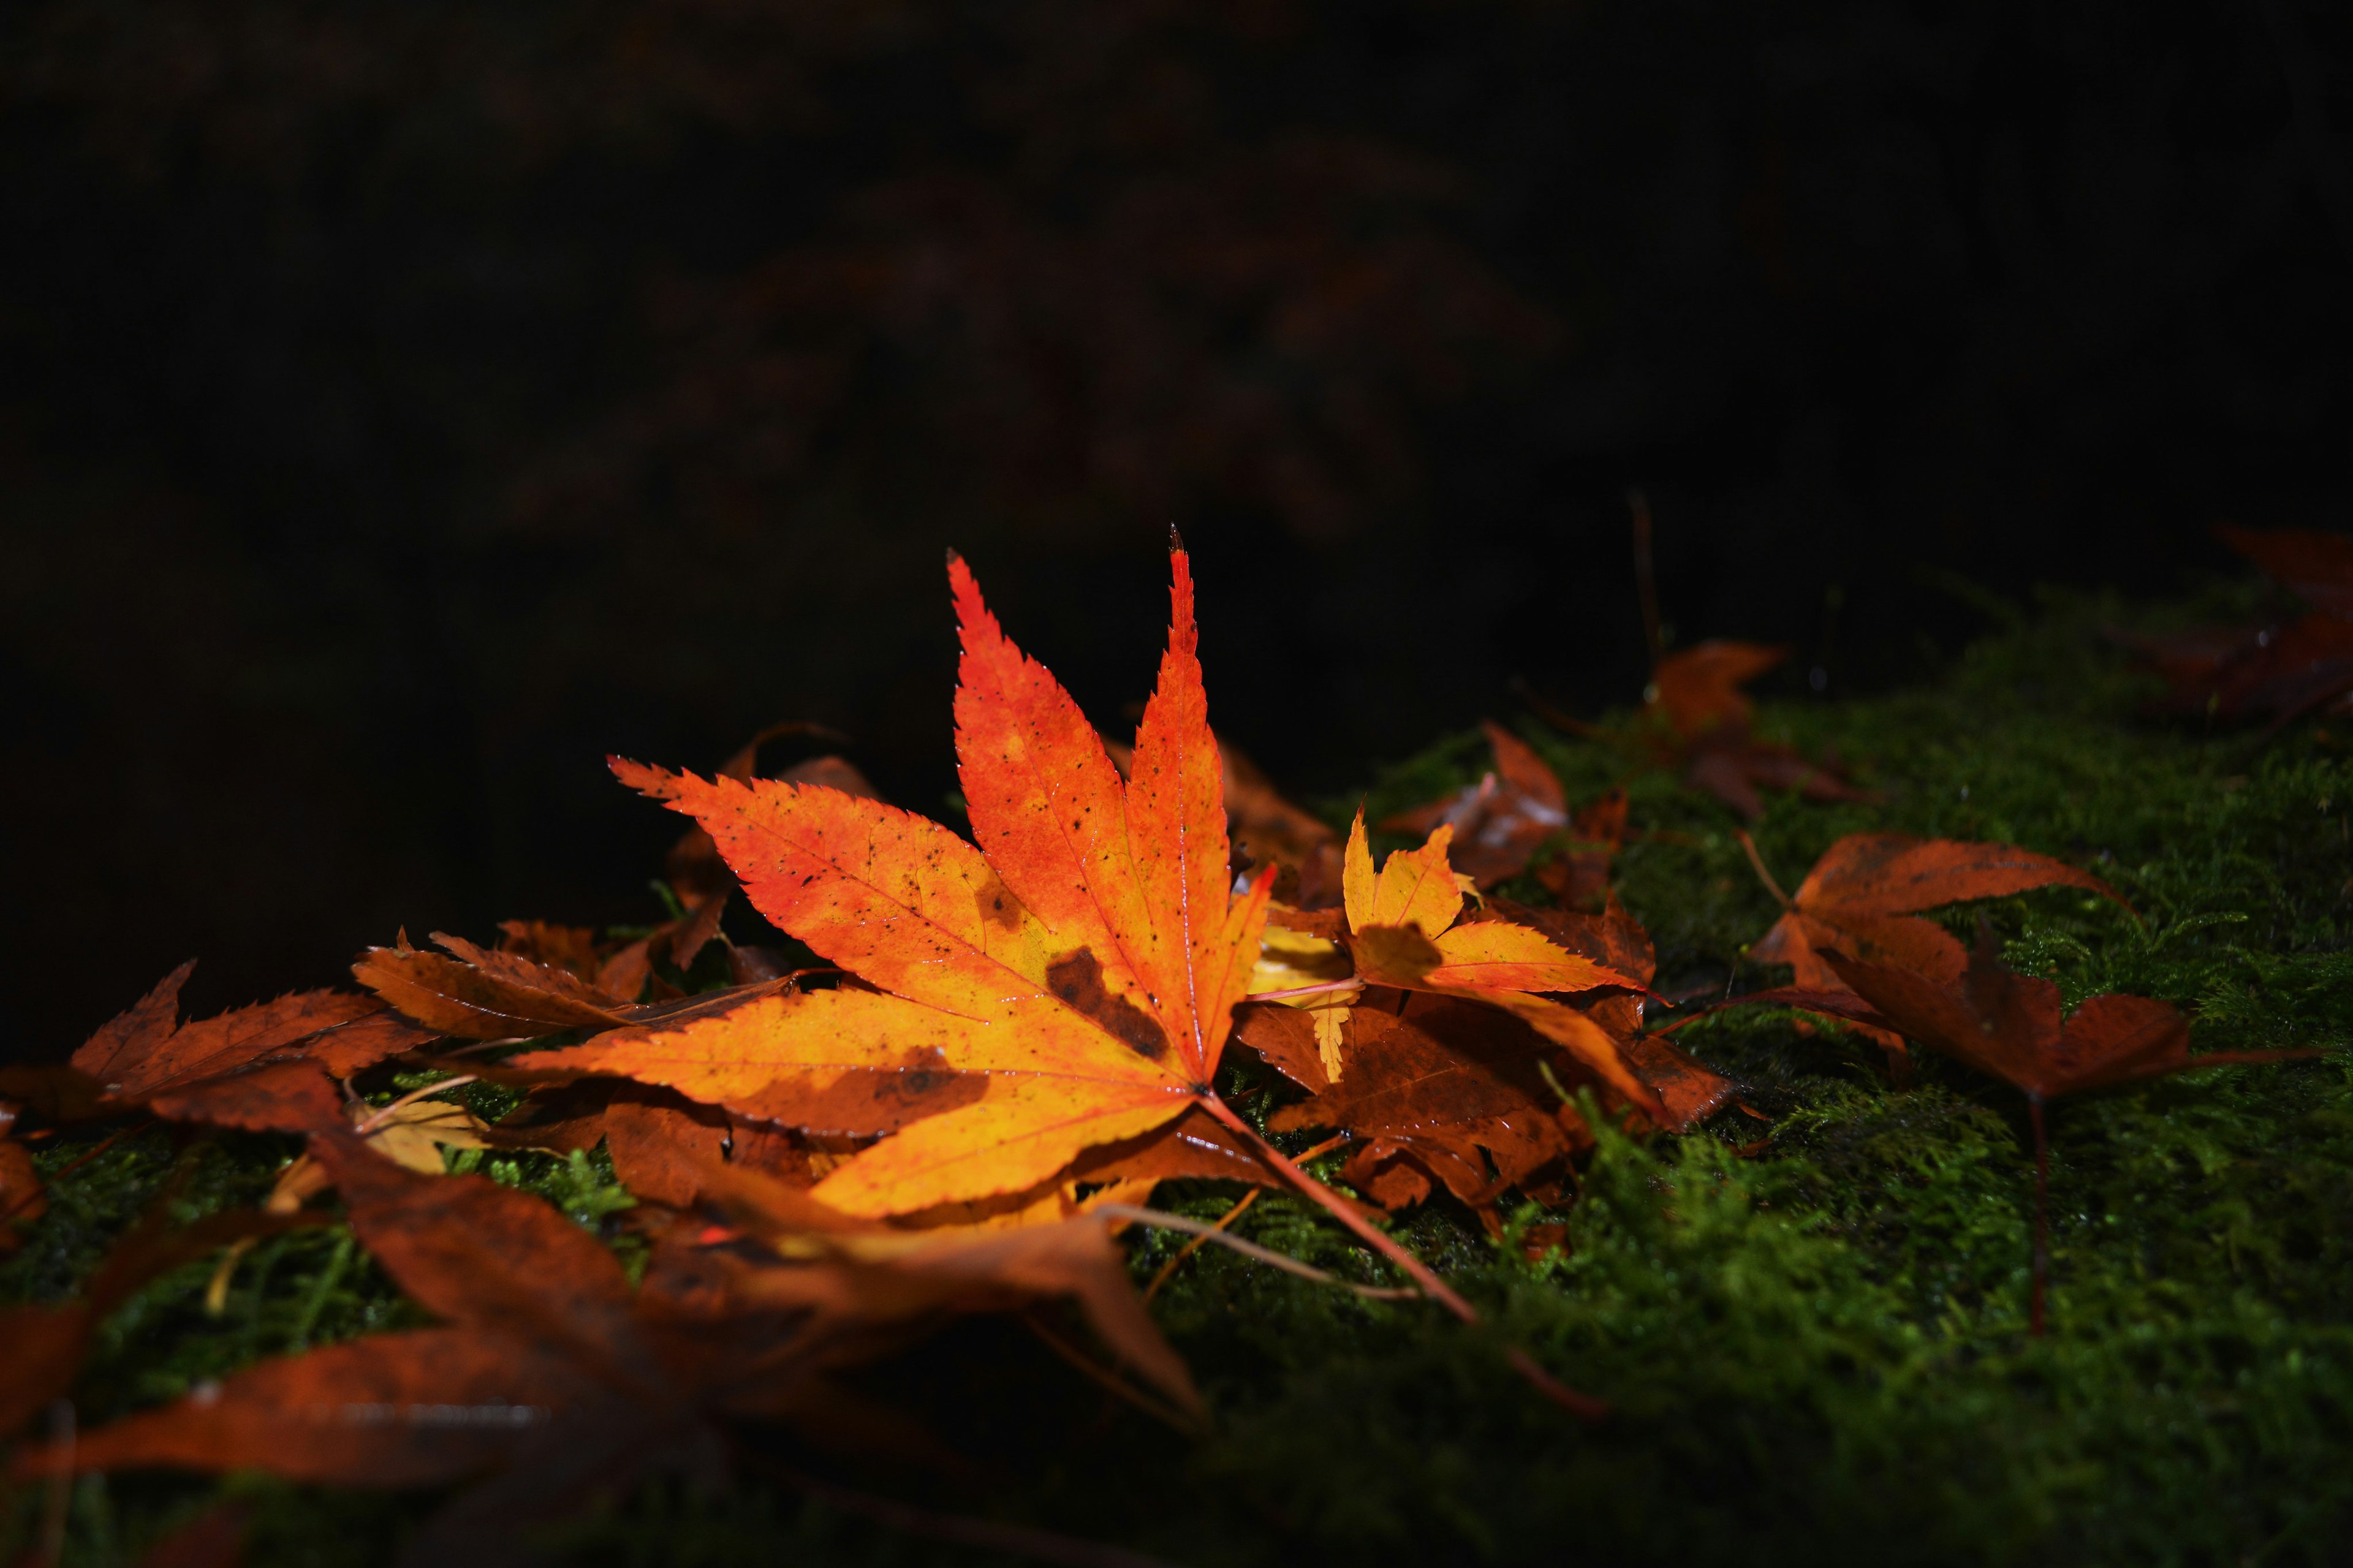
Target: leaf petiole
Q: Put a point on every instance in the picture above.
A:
(1583, 1405)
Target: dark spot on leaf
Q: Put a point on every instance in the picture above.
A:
(1077, 979)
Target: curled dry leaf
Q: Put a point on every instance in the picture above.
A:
(1428, 1082)
(1435, 1094)
(2011, 1026)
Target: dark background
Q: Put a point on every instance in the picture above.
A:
(404, 404)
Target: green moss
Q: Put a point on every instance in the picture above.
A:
(1816, 1347)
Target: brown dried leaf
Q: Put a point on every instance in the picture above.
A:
(484, 995)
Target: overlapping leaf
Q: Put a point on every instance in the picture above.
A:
(1405, 931)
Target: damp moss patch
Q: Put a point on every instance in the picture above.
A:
(1810, 1313)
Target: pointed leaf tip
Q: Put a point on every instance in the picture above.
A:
(1175, 540)
(645, 778)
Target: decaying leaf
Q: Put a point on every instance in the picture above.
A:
(1430, 1082)
(482, 995)
(1499, 823)
(2272, 669)
(1436, 1093)
(1701, 721)
(1579, 875)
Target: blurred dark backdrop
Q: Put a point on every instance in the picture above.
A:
(407, 402)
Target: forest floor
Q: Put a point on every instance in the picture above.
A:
(1809, 1314)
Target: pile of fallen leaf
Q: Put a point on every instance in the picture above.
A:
(962, 1103)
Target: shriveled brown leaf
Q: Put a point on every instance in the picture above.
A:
(2013, 1026)
(1579, 875)
(275, 1097)
(262, 1067)
(553, 1371)
(147, 1048)
(1449, 1090)
(1503, 820)
(1702, 723)
(485, 995)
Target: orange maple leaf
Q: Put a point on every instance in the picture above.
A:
(1068, 983)
(1405, 931)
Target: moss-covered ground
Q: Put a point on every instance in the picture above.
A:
(1812, 1326)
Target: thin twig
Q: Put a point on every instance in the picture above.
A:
(1198, 1242)
(1646, 580)
(486, 1045)
(1351, 983)
(1021, 1539)
(71, 1166)
(57, 1499)
(2042, 1215)
(381, 1117)
(1110, 1380)
(1216, 1234)
(1757, 861)
(1555, 715)
(1584, 1406)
